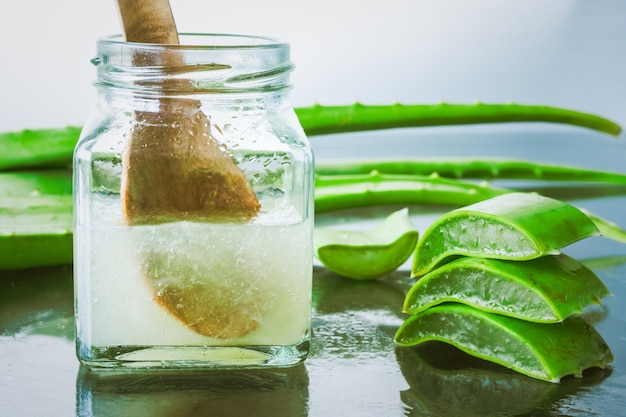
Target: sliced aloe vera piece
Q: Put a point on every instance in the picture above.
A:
(543, 351)
(607, 228)
(35, 219)
(547, 290)
(367, 254)
(514, 226)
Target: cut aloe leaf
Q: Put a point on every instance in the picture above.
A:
(543, 351)
(607, 228)
(367, 254)
(548, 289)
(35, 219)
(514, 226)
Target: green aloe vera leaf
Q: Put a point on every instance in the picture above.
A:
(318, 119)
(543, 351)
(54, 147)
(34, 183)
(605, 262)
(546, 290)
(41, 148)
(375, 189)
(483, 168)
(514, 226)
(607, 228)
(367, 254)
(35, 219)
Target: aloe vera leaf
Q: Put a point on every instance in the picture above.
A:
(35, 219)
(34, 183)
(514, 226)
(41, 148)
(544, 290)
(605, 262)
(375, 189)
(543, 351)
(367, 254)
(318, 119)
(484, 168)
(607, 228)
(54, 147)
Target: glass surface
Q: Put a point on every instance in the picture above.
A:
(354, 369)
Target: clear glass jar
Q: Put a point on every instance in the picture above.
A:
(201, 290)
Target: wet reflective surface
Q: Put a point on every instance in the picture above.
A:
(354, 367)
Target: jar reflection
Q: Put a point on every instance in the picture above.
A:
(259, 392)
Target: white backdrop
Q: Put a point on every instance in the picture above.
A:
(559, 52)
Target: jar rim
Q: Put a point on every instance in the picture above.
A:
(202, 41)
(207, 62)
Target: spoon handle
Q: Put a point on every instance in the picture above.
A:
(148, 21)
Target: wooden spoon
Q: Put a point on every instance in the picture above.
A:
(175, 170)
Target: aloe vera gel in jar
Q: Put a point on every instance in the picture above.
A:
(180, 287)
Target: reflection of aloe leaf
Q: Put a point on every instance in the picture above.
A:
(335, 294)
(444, 381)
(543, 351)
(367, 254)
(37, 301)
(515, 226)
(547, 289)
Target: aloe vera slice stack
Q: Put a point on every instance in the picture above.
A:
(494, 284)
(543, 351)
(514, 226)
(544, 290)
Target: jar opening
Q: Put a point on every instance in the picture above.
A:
(203, 41)
(212, 62)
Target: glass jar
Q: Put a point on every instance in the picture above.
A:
(193, 287)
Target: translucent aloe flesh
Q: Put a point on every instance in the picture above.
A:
(514, 226)
(367, 254)
(543, 351)
(547, 289)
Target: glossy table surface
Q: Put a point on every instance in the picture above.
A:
(354, 368)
